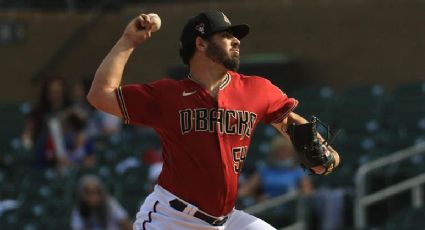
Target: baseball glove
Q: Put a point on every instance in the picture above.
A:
(312, 150)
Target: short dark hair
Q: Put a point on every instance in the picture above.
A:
(186, 53)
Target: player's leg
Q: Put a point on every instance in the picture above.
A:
(156, 214)
(240, 220)
(146, 217)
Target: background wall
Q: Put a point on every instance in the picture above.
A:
(340, 44)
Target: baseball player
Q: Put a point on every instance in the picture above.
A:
(205, 122)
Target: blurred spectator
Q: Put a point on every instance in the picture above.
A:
(150, 158)
(153, 159)
(53, 100)
(79, 98)
(95, 209)
(79, 147)
(57, 130)
(98, 123)
(330, 211)
(8, 204)
(279, 175)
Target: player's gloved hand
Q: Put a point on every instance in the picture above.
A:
(138, 30)
(313, 152)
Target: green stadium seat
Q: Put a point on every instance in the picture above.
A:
(363, 98)
(8, 191)
(31, 225)
(280, 216)
(394, 141)
(131, 203)
(30, 211)
(315, 101)
(57, 214)
(410, 91)
(133, 181)
(407, 219)
(131, 188)
(359, 109)
(9, 219)
(407, 99)
(11, 123)
(259, 147)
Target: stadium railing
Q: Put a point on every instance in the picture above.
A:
(363, 200)
(279, 201)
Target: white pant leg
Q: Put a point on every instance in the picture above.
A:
(240, 220)
(156, 214)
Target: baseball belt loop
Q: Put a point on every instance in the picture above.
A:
(190, 210)
(220, 221)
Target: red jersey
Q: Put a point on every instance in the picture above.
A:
(205, 140)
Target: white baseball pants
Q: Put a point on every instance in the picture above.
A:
(156, 214)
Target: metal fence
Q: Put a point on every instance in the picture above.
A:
(363, 200)
(299, 223)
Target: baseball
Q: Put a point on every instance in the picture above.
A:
(156, 21)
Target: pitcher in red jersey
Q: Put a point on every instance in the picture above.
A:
(205, 122)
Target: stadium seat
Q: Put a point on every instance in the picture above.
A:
(57, 214)
(9, 219)
(133, 180)
(407, 219)
(12, 122)
(315, 101)
(131, 188)
(410, 91)
(280, 216)
(131, 203)
(259, 148)
(359, 109)
(365, 92)
(407, 99)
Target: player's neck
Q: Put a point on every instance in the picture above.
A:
(209, 78)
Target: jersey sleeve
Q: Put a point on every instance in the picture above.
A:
(279, 105)
(142, 104)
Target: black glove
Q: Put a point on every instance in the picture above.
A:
(312, 150)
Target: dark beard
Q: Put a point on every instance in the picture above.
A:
(218, 55)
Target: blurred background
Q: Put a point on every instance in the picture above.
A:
(357, 64)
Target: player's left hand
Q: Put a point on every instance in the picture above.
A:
(313, 152)
(318, 170)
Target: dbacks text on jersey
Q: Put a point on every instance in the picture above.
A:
(234, 122)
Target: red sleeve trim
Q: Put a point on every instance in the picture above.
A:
(123, 108)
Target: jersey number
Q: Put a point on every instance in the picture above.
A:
(239, 156)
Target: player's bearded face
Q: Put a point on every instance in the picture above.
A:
(217, 53)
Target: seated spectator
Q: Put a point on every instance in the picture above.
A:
(53, 100)
(98, 123)
(95, 209)
(150, 158)
(66, 143)
(79, 148)
(279, 175)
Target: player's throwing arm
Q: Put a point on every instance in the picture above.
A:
(109, 74)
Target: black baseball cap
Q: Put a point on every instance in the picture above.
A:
(208, 23)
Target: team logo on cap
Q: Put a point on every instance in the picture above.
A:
(200, 28)
(226, 19)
